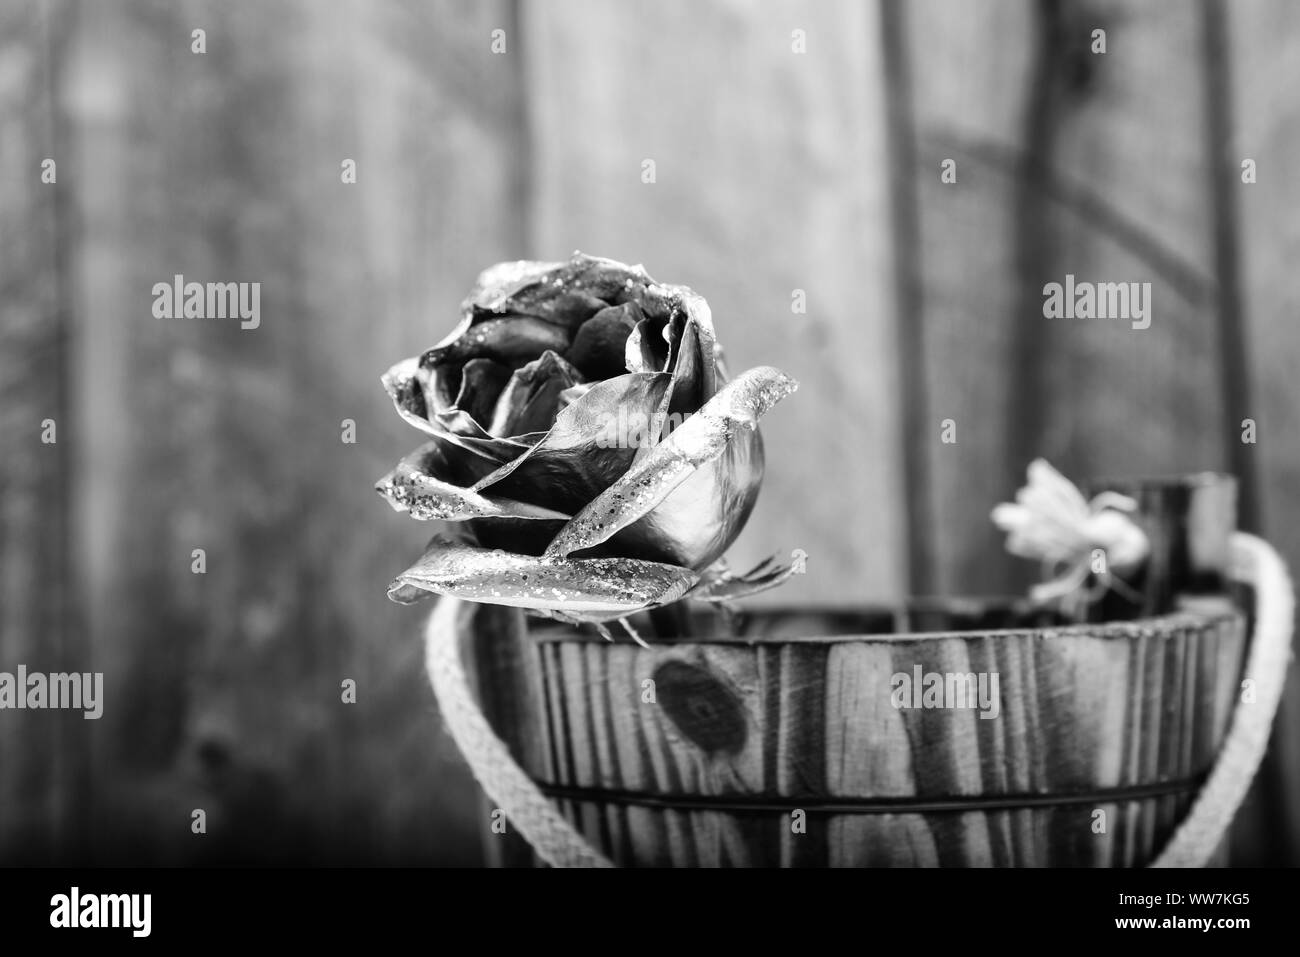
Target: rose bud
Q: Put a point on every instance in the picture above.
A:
(582, 433)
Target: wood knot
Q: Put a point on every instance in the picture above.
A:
(214, 754)
(702, 707)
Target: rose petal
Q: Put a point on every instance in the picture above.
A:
(701, 439)
(599, 348)
(562, 294)
(691, 360)
(575, 460)
(700, 518)
(687, 364)
(646, 349)
(499, 282)
(405, 386)
(481, 382)
(415, 486)
(592, 588)
(542, 302)
(573, 393)
(685, 392)
(531, 399)
(403, 382)
(700, 322)
(512, 340)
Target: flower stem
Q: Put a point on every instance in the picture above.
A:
(672, 621)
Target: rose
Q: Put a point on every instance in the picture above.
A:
(517, 404)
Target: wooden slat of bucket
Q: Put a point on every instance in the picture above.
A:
(602, 717)
(797, 687)
(852, 769)
(718, 696)
(794, 722)
(645, 828)
(1010, 757)
(1146, 744)
(1175, 722)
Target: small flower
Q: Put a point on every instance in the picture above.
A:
(1052, 522)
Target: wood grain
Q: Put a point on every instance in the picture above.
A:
(771, 176)
(1067, 162)
(1263, 62)
(43, 754)
(224, 688)
(807, 722)
(776, 171)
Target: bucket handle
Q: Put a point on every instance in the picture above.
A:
(1254, 563)
(506, 784)
(556, 841)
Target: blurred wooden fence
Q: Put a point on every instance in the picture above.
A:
(775, 171)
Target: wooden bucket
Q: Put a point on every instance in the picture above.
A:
(790, 739)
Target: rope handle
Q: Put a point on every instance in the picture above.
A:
(506, 784)
(556, 841)
(1255, 563)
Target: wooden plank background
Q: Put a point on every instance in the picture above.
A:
(775, 171)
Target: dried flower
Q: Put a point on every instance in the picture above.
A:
(1052, 522)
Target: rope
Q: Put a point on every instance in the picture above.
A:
(1255, 563)
(558, 843)
(506, 784)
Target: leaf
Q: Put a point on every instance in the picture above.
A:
(590, 589)
(717, 584)
(701, 439)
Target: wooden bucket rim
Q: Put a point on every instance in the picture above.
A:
(1165, 625)
(1167, 480)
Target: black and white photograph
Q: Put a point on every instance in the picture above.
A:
(508, 435)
